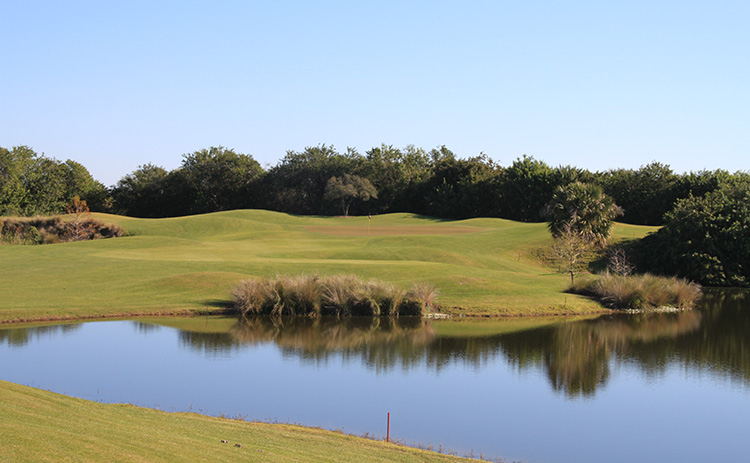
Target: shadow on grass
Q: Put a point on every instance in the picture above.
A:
(601, 261)
(220, 303)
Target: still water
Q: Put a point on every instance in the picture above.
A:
(661, 387)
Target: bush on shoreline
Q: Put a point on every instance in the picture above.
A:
(47, 230)
(337, 295)
(639, 292)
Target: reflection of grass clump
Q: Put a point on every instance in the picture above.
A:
(324, 334)
(338, 295)
(639, 291)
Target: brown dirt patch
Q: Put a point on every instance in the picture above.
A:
(385, 230)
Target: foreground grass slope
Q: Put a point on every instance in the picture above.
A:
(40, 426)
(190, 264)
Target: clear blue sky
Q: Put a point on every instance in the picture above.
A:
(596, 84)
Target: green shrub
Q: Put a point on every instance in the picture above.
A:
(704, 238)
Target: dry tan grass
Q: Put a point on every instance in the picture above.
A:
(640, 291)
(338, 295)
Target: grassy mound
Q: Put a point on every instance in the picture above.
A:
(190, 264)
(640, 292)
(40, 426)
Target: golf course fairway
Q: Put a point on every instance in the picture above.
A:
(190, 264)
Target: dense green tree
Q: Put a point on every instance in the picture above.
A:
(297, 184)
(349, 188)
(705, 239)
(461, 188)
(397, 175)
(78, 182)
(15, 165)
(212, 179)
(33, 184)
(584, 209)
(45, 185)
(525, 188)
(216, 179)
(644, 194)
(142, 192)
(700, 183)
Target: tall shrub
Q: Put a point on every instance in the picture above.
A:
(704, 239)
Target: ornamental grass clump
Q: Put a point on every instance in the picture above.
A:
(388, 296)
(336, 295)
(254, 296)
(297, 295)
(419, 299)
(640, 292)
(339, 294)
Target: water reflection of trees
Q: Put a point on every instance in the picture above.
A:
(18, 337)
(720, 344)
(212, 343)
(145, 328)
(576, 356)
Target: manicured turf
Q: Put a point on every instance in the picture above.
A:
(189, 264)
(41, 426)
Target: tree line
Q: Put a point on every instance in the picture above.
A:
(706, 214)
(435, 183)
(33, 184)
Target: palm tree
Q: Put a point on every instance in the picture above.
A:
(584, 209)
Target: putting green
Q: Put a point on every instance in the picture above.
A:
(385, 230)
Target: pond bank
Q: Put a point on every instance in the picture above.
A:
(452, 312)
(91, 431)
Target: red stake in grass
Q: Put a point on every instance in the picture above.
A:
(388, 429)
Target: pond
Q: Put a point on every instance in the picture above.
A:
(626, 388)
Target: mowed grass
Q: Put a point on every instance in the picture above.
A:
(190, 264)
(41, 426)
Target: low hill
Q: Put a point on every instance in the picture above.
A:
(190, 264)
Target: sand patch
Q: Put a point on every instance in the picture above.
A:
(391, 230)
